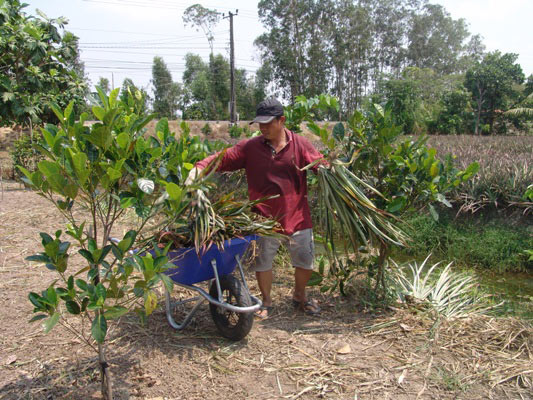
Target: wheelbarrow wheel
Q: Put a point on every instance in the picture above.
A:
(231, 324)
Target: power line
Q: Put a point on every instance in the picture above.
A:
(136, 53)
(178, 39)
(148, 53)
(151, 47)
(115, 31)
(149, 68)
(118, 2)
(100, 60)
(164, 45)
(161, 5)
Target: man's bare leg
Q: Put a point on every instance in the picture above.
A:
(264, 281)
(301, 277)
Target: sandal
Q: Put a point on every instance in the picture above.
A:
(309, 307)
(264, 312)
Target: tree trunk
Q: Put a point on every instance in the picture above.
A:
(105, 375)
(491, 117)
(380, 279)
(33, 151)
(478, 114)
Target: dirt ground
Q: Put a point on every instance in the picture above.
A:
(348, 352)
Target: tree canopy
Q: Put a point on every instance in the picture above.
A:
(166, 92)
(203, 18)
(206, 89)
(344, 47)
(39, 64)
(491, 83)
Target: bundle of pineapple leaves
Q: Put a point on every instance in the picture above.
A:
(209, 223)
(348, 216)
(210, 217)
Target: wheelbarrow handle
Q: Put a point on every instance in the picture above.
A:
(116, 241)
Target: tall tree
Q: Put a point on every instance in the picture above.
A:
(206, 89)
(350, 52)
(491, 83)
(202, 18)
(103, 83)
(473, 52)
(263, 76)
(436, 40)
(389, 25)
(196, 88)
(245, 89)
(141, 96)
(39, 64)
(219, 86)
(294, 43)
(344, 47)
(167, 93)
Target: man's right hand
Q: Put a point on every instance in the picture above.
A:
(193, 174)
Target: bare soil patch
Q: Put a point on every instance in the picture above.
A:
(348, 352)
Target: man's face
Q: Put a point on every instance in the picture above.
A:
(272, 129)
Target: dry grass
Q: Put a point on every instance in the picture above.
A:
(348, 352)
(479, 350)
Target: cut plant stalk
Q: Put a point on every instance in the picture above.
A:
(345, 207)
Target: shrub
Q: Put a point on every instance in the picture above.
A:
(206, 129)
(108, 169)
(455, 116)
(235, 131)
(24, 154)
(394, 175)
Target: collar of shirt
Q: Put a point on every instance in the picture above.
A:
(288, 135)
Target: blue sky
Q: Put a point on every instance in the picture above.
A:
(119, 38)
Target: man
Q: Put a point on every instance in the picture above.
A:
(273, 163)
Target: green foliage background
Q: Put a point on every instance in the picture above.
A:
(38, 65)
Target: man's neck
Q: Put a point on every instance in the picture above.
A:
(280, 140)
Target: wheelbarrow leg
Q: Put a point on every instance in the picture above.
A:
(241, 271)
(255, 300)
(217, 280)
(189, 316)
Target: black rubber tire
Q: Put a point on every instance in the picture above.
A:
(232, 325)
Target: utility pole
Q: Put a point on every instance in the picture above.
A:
(232, 108)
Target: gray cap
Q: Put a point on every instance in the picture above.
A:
(267, 110)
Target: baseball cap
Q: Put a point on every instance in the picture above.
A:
(267, 110)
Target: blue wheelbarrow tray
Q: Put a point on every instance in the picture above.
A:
(192, 267)
(231, 304)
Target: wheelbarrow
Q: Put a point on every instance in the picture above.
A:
(230, 303)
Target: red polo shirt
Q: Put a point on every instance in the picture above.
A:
(270, 173)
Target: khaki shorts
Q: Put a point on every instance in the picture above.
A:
(300, 245)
